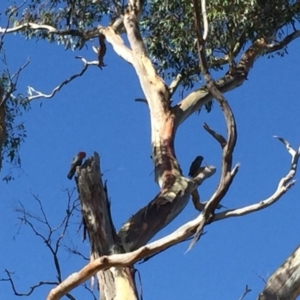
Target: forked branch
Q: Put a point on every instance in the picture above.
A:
(31, 289)
(227, 174)
(247, 290)
(51, 236)
(33, 94)
(179, 235)
(283, 186)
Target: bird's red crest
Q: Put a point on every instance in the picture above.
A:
(82, 154)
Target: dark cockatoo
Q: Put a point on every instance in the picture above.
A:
(196, 164)
(76, 162)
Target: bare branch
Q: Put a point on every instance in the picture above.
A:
(200, 205)
(109, 33)
(144, 67)
(283, 186)
(72, 32)
(31, 289)
(272, 47)
(196, 99)
(141, 100)
(127, 259)
(136, 6)
(118, 44)
(205, 22)
(47, 238)
(69, 296)
(222, 141)
(13, 80)
(17, 74)
(76, 252)
(34, 94)
(196, 200)
(227, 175)
(90, 291)
(247, 290)
(121, 260)
(160, 211)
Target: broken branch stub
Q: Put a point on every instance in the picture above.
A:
(103, 239)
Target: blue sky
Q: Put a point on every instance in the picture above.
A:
(97, 112)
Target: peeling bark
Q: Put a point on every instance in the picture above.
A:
(162, 210)
(284, 284)
(115, 283)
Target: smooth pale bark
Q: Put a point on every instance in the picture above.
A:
(284, 284)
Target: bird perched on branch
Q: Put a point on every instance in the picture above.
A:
(195, 165)
(100, 51)
(76, 162)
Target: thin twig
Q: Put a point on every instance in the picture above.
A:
(31, 289)
(247, 290)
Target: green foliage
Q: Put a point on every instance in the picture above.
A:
(14, 106)
(77, 15)
(15, 131)
(168, 28)
(169, 34)
(169, 31)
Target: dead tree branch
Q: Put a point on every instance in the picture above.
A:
(86, 35)
(13, 81)
(48, 237)
(109, 33)
(127, 259)
(31, 289)
(283, 186)
(227, 174)
(52, 243)
(160, 211)
(101, 232)
(247, 290)
(34, 94)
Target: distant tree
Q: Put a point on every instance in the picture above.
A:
(174, 46)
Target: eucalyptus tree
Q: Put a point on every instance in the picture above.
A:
(174, 47)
